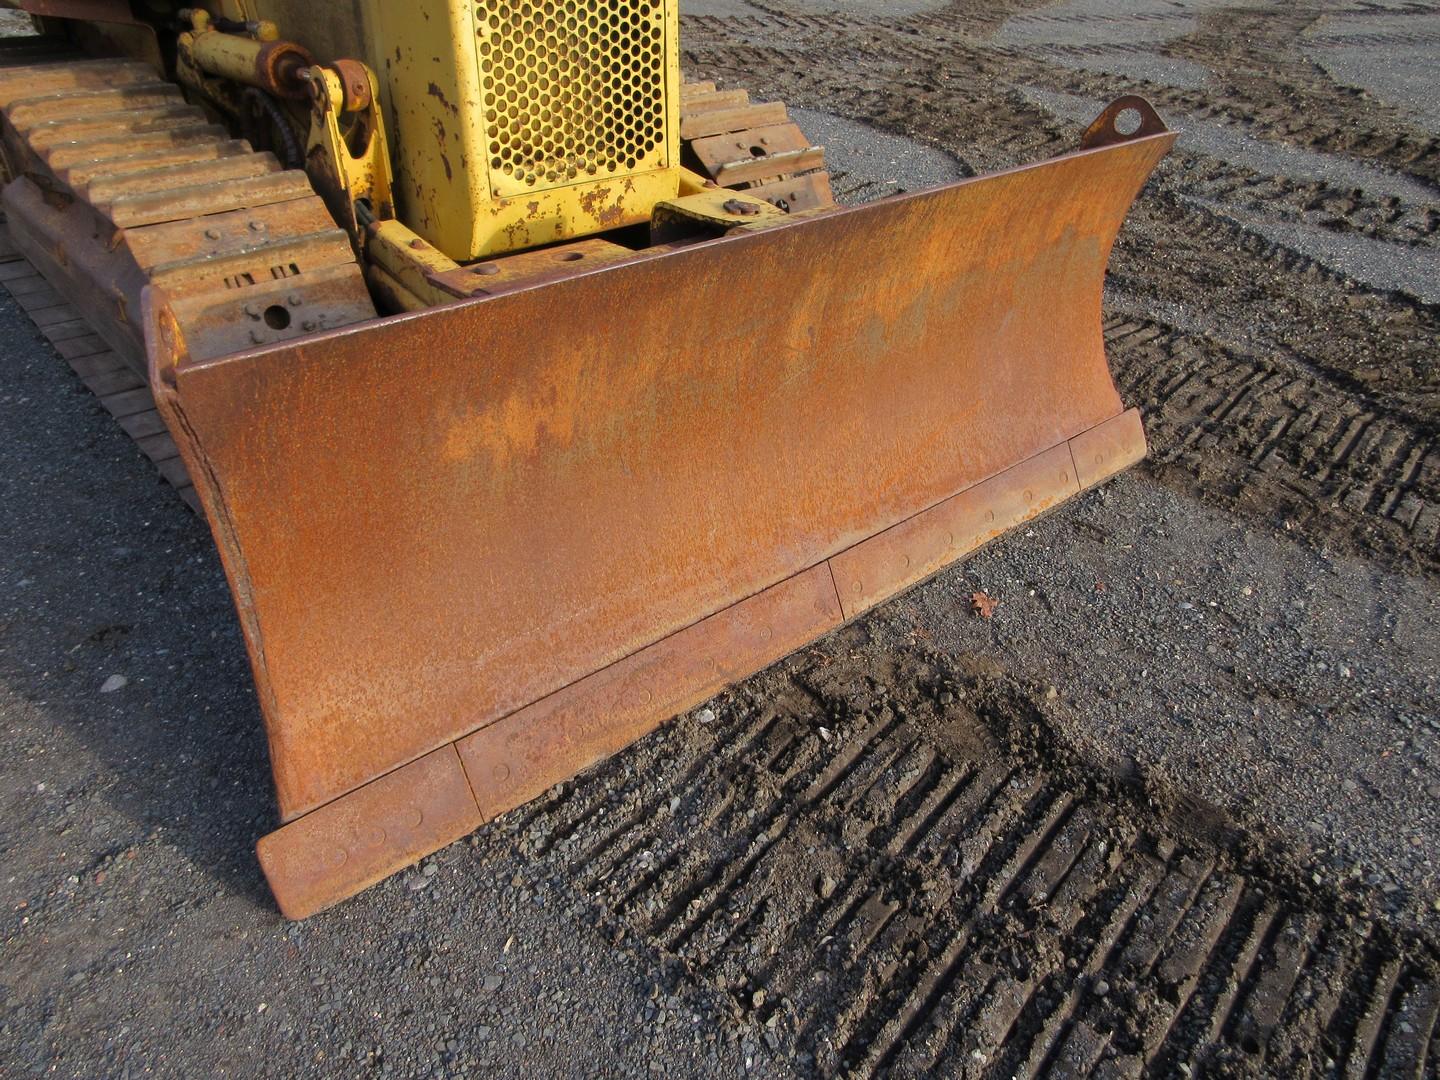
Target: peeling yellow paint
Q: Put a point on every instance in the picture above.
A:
(454, 189)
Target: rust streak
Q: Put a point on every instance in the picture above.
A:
(439, 95)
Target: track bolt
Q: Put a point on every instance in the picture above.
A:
(252, 310)
(257, 226)
(294, 299)
(212, 234)
(735, 206)
(255, 336)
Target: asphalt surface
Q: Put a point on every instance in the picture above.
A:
(1242, 631)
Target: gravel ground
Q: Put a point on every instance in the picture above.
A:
(1240, 632)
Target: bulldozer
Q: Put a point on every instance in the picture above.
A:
(533, 395)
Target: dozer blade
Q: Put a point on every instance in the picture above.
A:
(479, 548)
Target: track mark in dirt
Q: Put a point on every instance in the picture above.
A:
(1314, 202)
(1374, 343)
(1408, 272)
(1258, 77)
(1265, 73)
(1221, 162)
(1265, 435)
(887, 865)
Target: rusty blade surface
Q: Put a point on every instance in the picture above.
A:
(514, 760)
(877, 568)
(432, 521)
(338, 849)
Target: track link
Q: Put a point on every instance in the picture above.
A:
(119, 184)
(752, 147)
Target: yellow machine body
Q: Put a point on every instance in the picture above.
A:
(511, 125)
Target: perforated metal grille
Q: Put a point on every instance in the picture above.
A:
(574, 89)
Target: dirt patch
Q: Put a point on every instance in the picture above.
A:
(905, 865)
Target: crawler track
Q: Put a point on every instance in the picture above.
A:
(877, 861)
(190, 205)
(120, 389)
(120, 185)
(909, 880)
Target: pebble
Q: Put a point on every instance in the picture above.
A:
(1102, 988)
(827, 887)
(705, 716)
(429, 869)
(113, 683)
